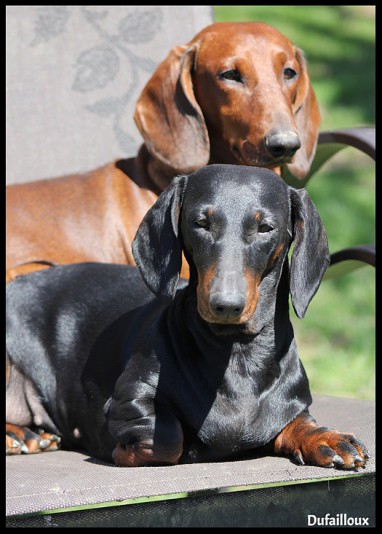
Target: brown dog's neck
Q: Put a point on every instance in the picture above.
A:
(147, 171)
(156, 174)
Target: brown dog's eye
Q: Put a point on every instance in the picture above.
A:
(232, 74)
(289, 73)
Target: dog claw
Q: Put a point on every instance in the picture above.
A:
(337, 460)
(24, 449)
(50, 437)
(44, 443)
(298, 457)
(13, 448)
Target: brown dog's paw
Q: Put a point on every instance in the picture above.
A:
(308, 443)
(22, 440)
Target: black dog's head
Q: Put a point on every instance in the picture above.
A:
(235, 225)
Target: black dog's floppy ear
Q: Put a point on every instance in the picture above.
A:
(156, 246)
(310, 256)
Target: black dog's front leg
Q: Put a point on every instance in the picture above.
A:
(308, 443)
(146, 434)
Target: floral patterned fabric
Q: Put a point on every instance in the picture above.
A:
(73, 75)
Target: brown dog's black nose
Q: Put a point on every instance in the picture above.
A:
(227, 306)
(283, 144)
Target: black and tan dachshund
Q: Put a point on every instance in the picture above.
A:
(201, 372)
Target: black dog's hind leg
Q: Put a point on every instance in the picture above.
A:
(24, 409)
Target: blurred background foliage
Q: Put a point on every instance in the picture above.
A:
(336, 339)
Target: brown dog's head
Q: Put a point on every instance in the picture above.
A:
(237, 93)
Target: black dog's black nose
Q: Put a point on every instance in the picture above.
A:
(227, 306)
(282, 144)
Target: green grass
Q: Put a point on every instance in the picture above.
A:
(336, 339)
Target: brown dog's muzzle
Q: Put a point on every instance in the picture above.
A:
(277, 147)
(282, 145)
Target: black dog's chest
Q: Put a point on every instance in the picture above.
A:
(234, 424)
(232, 420)
(238, 412)
(223, 418)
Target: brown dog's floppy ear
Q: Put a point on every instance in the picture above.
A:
(307, 118)
(156, 246)
(169, 117)
(310, 256)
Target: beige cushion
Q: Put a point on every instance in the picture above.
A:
(63, 479)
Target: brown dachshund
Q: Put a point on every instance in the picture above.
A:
(237, 93)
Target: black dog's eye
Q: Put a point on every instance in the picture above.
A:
(202, 222)
(255, 229)
(289, 73)
(264, 228)
(232, 74)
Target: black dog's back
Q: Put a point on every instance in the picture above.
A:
(119, 286)
(89, 297)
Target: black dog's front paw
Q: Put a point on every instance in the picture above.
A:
(308, 443)
(142, 438)
(144, 453)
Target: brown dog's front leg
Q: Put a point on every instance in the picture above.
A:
(308, 443)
